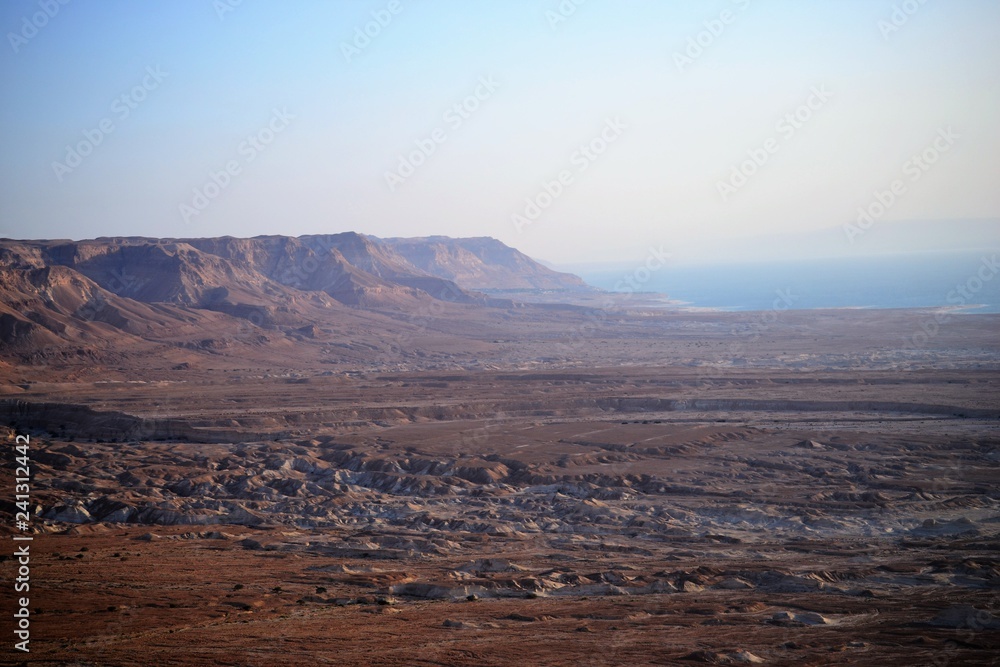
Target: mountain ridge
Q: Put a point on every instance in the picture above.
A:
(350, 291)
(482, 263)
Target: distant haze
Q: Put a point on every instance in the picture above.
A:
(845, 241)
(574, 131)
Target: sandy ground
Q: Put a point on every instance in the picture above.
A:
(658, 489)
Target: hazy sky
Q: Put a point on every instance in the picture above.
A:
(116, 115)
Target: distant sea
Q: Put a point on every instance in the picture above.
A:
(919, 280)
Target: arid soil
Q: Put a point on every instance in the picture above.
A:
(557, 486)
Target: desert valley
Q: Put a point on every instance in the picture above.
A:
(339, 449)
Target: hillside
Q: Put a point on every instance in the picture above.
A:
(481, 264)
(351, 296)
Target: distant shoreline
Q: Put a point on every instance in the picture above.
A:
(965, 282)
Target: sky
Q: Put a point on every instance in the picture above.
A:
(576, 131)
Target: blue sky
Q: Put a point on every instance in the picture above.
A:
(326, 129)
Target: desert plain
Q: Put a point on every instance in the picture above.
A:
(535, 475)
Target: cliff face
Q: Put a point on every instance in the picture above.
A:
(214, 293)
(317, 263)
(481, 263)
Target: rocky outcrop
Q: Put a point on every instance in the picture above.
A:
(481, 264)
